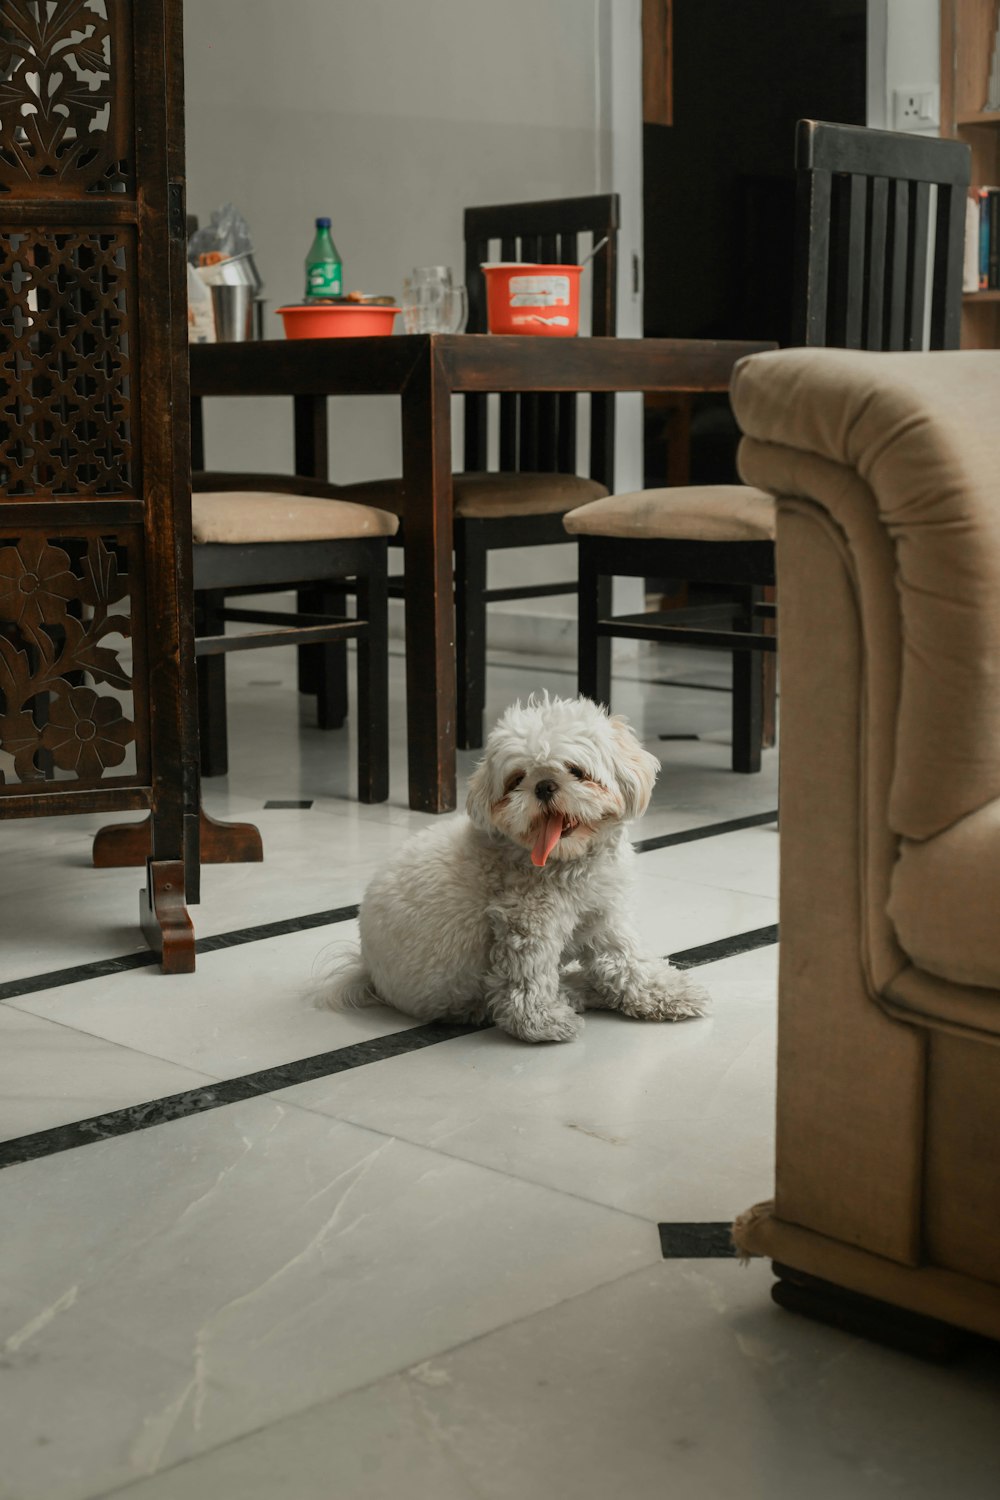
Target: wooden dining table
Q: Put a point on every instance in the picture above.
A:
(425, 371)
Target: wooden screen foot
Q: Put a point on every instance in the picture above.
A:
(868, 1318)
(229, 843)
(123, 845)
(164, 918)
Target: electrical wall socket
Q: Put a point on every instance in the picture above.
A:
(916, 108)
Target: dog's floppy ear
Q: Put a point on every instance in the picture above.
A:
(635, 768)
(479, 800)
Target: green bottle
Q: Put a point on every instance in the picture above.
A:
(324, 272)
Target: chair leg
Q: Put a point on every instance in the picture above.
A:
(593, 650)
(213, 737)
(323, 669)
(331, 678)
(373, 680)
(748, 695)
(470, 633)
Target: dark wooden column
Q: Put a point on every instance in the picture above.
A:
(430, 604)
(97, 708)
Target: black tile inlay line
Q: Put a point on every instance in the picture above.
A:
(11, 988)
(96, 969)
(55, 978)
(268, 806)
(711, 953)
(678, 736)
(225, 1091)
(321, 1065)
(696, 1241)
(705, 831)
(699, 687)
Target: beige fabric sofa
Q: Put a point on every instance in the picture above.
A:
(886, 469)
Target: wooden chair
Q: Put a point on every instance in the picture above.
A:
(876, 211)
(282, 533)
(538, 433)
(522, 504)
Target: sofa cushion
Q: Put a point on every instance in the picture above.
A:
(485, 495)
(249, 516)
(697, 513)
(945, 900)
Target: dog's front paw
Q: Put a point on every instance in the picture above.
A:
(560, 1024)
(666, 994)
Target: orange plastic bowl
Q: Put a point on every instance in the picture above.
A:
(341, 320)
(528, 298)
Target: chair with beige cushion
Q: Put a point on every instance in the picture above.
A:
(293, 534)
(886, 471)
(523, 502)
(718, 533)
(868, 228)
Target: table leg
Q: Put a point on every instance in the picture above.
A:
(322, 670)
(312, 452)
(430, 586)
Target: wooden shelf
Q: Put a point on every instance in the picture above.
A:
(968, 37)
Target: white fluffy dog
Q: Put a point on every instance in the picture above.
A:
(519, 913)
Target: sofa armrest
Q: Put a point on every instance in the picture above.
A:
(919, 431)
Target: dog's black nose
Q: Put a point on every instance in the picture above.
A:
(545, 790)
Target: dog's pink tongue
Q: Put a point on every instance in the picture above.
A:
(548, 837)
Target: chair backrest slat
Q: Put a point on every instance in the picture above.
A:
(475, 408)
(538, 432)
(868, 227)
(509, 403)
(878, 222)
(528, 424)
(916, 266)
(547, 407)
(568, 255)
(857, 222)
(899, 237)
(949, 250)
(812, 260)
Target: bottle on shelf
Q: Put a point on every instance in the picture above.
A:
(324, 272)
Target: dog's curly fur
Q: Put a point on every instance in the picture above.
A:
(518, 914)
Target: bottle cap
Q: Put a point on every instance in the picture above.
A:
(322, 223)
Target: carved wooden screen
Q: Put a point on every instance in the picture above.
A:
(95, 638)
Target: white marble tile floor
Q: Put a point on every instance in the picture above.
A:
(252, 1248)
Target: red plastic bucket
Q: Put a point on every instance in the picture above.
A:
(338, 320)
(529, 298)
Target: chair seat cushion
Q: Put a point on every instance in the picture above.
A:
(251, 516)
(486, 495)
(945, 898)
(696, 513)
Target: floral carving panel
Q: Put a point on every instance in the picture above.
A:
(67, 302)
(64, 105)
(67, 705)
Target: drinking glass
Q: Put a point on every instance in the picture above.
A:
(431, 303)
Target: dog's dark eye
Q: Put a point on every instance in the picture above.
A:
(575, 771)
(513, 781)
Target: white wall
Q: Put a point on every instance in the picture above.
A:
(904, 50)
(391, 117)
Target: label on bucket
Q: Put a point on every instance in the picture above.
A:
(539, 291)
(558, 320)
